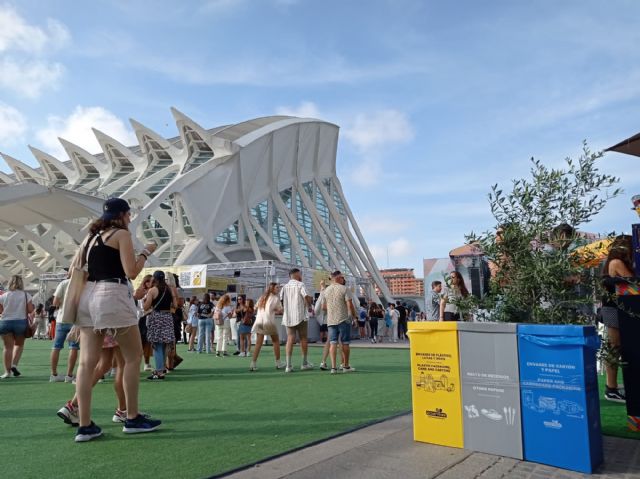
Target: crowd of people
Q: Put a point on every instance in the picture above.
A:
(116, 329)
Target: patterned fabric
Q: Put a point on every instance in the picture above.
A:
(336, 296)
(160, 327)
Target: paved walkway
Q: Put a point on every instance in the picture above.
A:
(387, 450)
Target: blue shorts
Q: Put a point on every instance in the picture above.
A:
(62, 330)
(244, 329)
(342, 330)
(17, 327)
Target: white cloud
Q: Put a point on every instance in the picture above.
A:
(400, 247)
(399, 251)
(22, 47)
(306, 109)
(76, 128)
(12, 124)
(379, 224)
(379, 128)
(29, 77)
(17, 35)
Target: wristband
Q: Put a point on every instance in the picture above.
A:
(146, 252)
(144, 256)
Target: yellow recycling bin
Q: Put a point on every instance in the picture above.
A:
(435, 383)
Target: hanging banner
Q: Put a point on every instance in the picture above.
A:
(189, 276)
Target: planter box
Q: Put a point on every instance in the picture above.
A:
(560, 399)
(435, 383)
(490, 388)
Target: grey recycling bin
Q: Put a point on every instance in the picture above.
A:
(490, 388)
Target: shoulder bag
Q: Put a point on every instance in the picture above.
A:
(77, 281)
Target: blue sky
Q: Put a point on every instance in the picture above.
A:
(436, 100)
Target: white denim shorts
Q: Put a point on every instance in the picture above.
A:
(106, 306)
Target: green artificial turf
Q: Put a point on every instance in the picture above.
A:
(613, 416)
(216, 415)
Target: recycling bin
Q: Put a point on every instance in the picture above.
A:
(490, 388)
(559, 394)
(435, 383)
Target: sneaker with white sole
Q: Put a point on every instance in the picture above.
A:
(306, 367)
(140, 424)
(288, 369)
(6, 375)
(253, 367)
(148, 367)
(120, 416)
(69, 414)
(281, 365)
(348, 369)
(334, 371)
(56, 378)
(324, 366)
(87, 433)
(615, 395)
(70, 379)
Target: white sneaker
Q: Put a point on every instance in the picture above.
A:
(280, 364)
(306, 367)
(349, 369)
(147, 367)
(253, 367)
(69, 379)
(6, 375)
(288, 369)
(324, 366)
(58, 378)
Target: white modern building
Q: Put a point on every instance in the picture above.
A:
(264, 189)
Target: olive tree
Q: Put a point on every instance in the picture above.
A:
(537, 276)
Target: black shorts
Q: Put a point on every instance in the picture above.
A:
(142, 326)
(451, 316)
(361, 324)
(324, 328)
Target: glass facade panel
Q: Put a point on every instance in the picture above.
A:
(229, 236)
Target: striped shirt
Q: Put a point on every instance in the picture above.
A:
(292, 296)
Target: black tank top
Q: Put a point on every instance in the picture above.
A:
(164, 300)
(104, 261)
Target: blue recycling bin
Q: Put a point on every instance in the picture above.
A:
(559, 396)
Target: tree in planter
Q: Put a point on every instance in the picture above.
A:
(537, 276)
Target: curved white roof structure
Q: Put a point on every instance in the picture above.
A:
(257, 190)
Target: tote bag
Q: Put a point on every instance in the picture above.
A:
(77, 281)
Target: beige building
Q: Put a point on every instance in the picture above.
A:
(403, 282)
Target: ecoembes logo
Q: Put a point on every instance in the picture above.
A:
(437, 414)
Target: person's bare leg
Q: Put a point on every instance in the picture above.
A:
(192, 337)
(256, 350)
(55, 358)
(332, 353)
(71, 362)
(7, 355)
(131, 350)
(288, 351)
(89, 355)
(118, 385)
(304, 346)
(275, 339)
(346, 350)
(325, 352)
(18, 347)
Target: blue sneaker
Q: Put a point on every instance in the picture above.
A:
(87, 433)
(140, 424)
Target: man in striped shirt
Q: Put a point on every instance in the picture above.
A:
(295, 302)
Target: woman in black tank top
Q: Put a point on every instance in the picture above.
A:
(107, 304)
(160, 331)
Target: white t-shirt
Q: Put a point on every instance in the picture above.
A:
(395, 315)
(14, 306)
(292, 297)
(60, 293)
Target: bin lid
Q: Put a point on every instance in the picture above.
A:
(556, 330)
(429, 326)
(488, 327)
